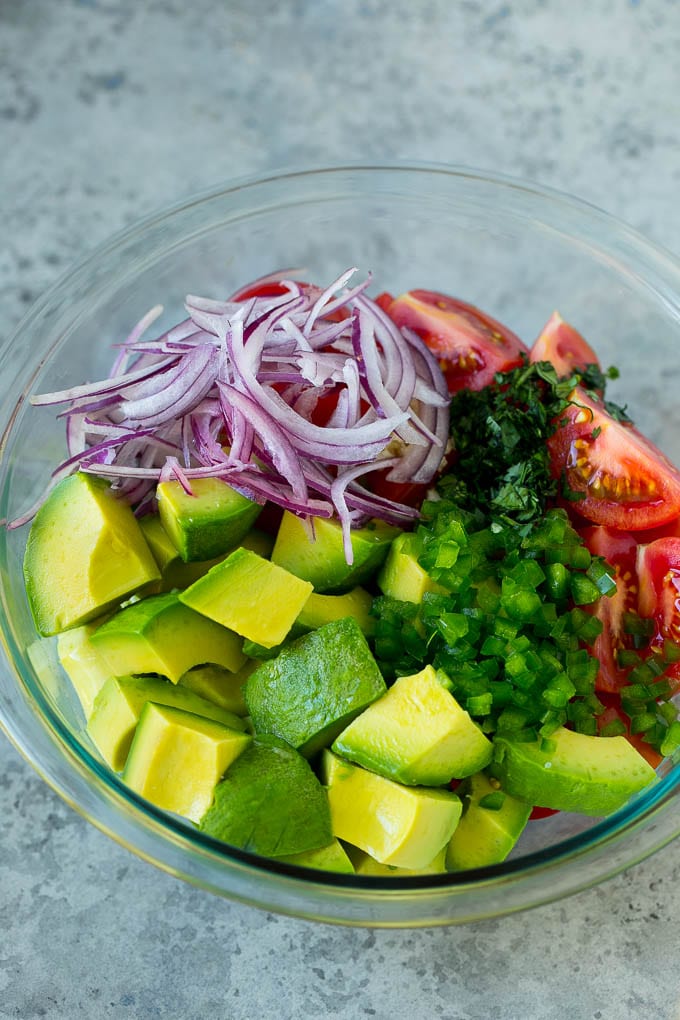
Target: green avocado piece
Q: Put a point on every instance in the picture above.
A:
(364, 864)
(219, 685)
(315, 686)
(270, 802)
(161, 635)
(85, 667)
(177, 758)
(485, 835)
(402, 576)
(321, 609)
(416, 734)
(85, 555)
(119, 705)
(210, 522)
(326, 858)
(404, 826)
(251, 596)
(586, 774)
(321, 559)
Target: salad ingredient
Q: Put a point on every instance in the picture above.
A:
(564, 347)
(658, 570)
(207, 522)
(400, 825)
(85, 554)
(321, 609)
(315, 551)
(416, 734)
(619, 477)
(82, 664)
(364, 864)
(572, 771)
(270, 802)
(219, 685)
(326, 858)
(402, 577)
(491, 823)
(315, 686)
(177, 758)
(470, 345)
(230, 393)
(250, 595)
(119, 705)
(161, 635)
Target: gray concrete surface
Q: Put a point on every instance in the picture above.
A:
(111, 108)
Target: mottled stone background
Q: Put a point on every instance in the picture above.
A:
(111, 108)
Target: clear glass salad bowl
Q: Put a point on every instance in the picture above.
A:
(515, 250)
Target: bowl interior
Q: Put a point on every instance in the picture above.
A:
(517, 253)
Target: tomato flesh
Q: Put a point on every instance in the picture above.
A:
(563, 346)
(658, 566)
(471, 345)
(623, 480)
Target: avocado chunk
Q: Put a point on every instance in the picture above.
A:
(485, 835)
(177, 758)
(326, 858)
(416, 734)
(161, 635)
(315, 686)
(119, 705)
(321, 609)
(364, 864)
(402, 576)
(85, 554)
(219, 685)
(270, 802)
(251, 596)
(590, 775)
(318, 555)
(399, 825)
(208, 523)
(85, 667)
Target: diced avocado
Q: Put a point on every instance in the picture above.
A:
(364, 864)
(210, 522)
(485, 835)
(590, 775)
(161, 635)
(321, 609)
(315, 686)
(178, 574)
(402, 576)
(270, 802)
(119, 704)
(399, 825)
(85, 554)
(326, 858)
(177, 758)
(219, 685)
(318, 556)
(85, 667)
(250, 595)
(416, 734)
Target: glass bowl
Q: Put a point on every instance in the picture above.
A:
(514, 249)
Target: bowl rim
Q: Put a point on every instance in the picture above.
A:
(662, 273)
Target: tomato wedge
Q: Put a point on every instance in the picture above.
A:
(624, 481)
(619, 549)
(561, 345)
(658, 566)
(470, 345)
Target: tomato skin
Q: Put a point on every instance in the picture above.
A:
(624, 480)
(260, 290)
(471, 346)
(564, 347)
(384, 300)
(619, 549)
(542, 812)
(658, 566)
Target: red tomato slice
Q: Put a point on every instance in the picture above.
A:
(542, 812)
(626, 482)
(384, 300)
(619, 549)
(612, 712)
(470, 345)
(658, 566)
(561, 345)
(259, 290)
